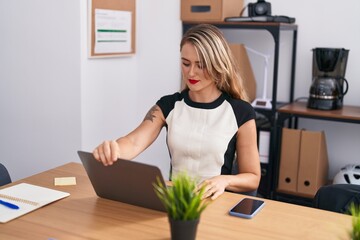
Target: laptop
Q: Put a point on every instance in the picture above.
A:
(125, 181)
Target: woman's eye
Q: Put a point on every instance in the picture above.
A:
(186, 64)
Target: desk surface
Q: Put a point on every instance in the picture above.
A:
(351, 113)
(83, 215)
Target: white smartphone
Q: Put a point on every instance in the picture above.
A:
(247, 208)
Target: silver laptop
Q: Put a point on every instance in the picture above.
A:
(125, 181)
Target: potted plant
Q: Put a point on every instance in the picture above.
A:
(355, 213)
(184, 205)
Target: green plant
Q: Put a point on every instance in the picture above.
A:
(183, 201)
(355, 213)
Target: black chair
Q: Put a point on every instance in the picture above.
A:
(4, 175)
(337, 197)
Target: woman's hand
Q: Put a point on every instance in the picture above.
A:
(108, 152)
(214, 186)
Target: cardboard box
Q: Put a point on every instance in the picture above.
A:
(313, 163)
(289, 160)
(210, 10)
(241, 56)
(303, 162)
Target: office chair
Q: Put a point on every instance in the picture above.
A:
(4, 175)
(337, 197)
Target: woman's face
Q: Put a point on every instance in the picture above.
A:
(194, 76)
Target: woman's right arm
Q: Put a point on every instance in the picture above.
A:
(131, 145)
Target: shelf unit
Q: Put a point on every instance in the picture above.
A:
(275, 29)
(291, 113)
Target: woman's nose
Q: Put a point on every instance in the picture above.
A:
(192, 71)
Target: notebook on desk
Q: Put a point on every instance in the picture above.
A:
(125, 181)
(26, 198)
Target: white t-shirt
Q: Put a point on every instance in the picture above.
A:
(201, 137)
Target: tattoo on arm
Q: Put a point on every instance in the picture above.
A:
(150, 115)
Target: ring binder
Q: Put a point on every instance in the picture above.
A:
(15, 199)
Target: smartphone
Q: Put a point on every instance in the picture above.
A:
(247, 208)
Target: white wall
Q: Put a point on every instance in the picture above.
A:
(118, 92)
(328, 23)
(54, 100)
(39, 84)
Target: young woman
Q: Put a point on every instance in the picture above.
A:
(209, 124)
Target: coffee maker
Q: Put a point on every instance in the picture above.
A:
(328, 78)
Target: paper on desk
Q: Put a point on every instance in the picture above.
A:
(64, 181)
(28, 197)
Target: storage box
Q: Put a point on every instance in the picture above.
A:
(303, 162)
(210, 10)
(241, 56)
(313, 163)
(289, 160)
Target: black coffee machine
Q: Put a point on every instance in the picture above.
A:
(329, 84)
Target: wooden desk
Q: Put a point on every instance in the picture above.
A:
(85, 216)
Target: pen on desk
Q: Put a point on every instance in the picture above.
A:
(9, 205)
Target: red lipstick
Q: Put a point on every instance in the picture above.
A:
(193, 81)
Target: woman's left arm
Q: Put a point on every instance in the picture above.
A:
(247, 153)
(248, 160)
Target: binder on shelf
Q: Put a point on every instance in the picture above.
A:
(289, 160)
(313, 164)
(303, 162)
(240, 53)
(264, 146)
(27, 198)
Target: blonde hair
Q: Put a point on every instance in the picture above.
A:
(216, 58)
